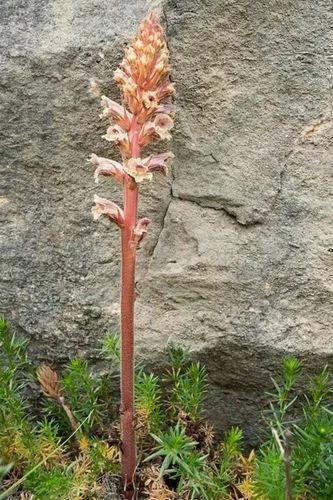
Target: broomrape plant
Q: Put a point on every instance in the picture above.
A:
(143, 116)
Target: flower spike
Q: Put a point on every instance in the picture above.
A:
(143, 76)
(144, 115)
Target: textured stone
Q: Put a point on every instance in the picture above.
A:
(238, 265)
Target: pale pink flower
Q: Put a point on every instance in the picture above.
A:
(108, 208)
(116, 133)
(141, 169)
(150, 99)
(166, 91)
(159, 127)
(117, 112)
(107, 167)
(138, 169)
(160, 162)
(119, 76)
(166, 107)
(163, 122)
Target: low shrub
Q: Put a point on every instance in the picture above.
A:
(73, 450)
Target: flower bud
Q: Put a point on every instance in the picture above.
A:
(140, 231)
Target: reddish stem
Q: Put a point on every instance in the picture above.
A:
(127, 324)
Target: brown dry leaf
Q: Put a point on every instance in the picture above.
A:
(84, 444)
(198, 430)
(49, 381)
(82, 485)
(142, 424)
(82, 465)
(154, 485)
(56, 453)
(245, 467)
(246, 489)
(109, 452)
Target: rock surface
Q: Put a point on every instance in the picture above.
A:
(239, 261)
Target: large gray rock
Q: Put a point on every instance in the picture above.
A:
(239, 261)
